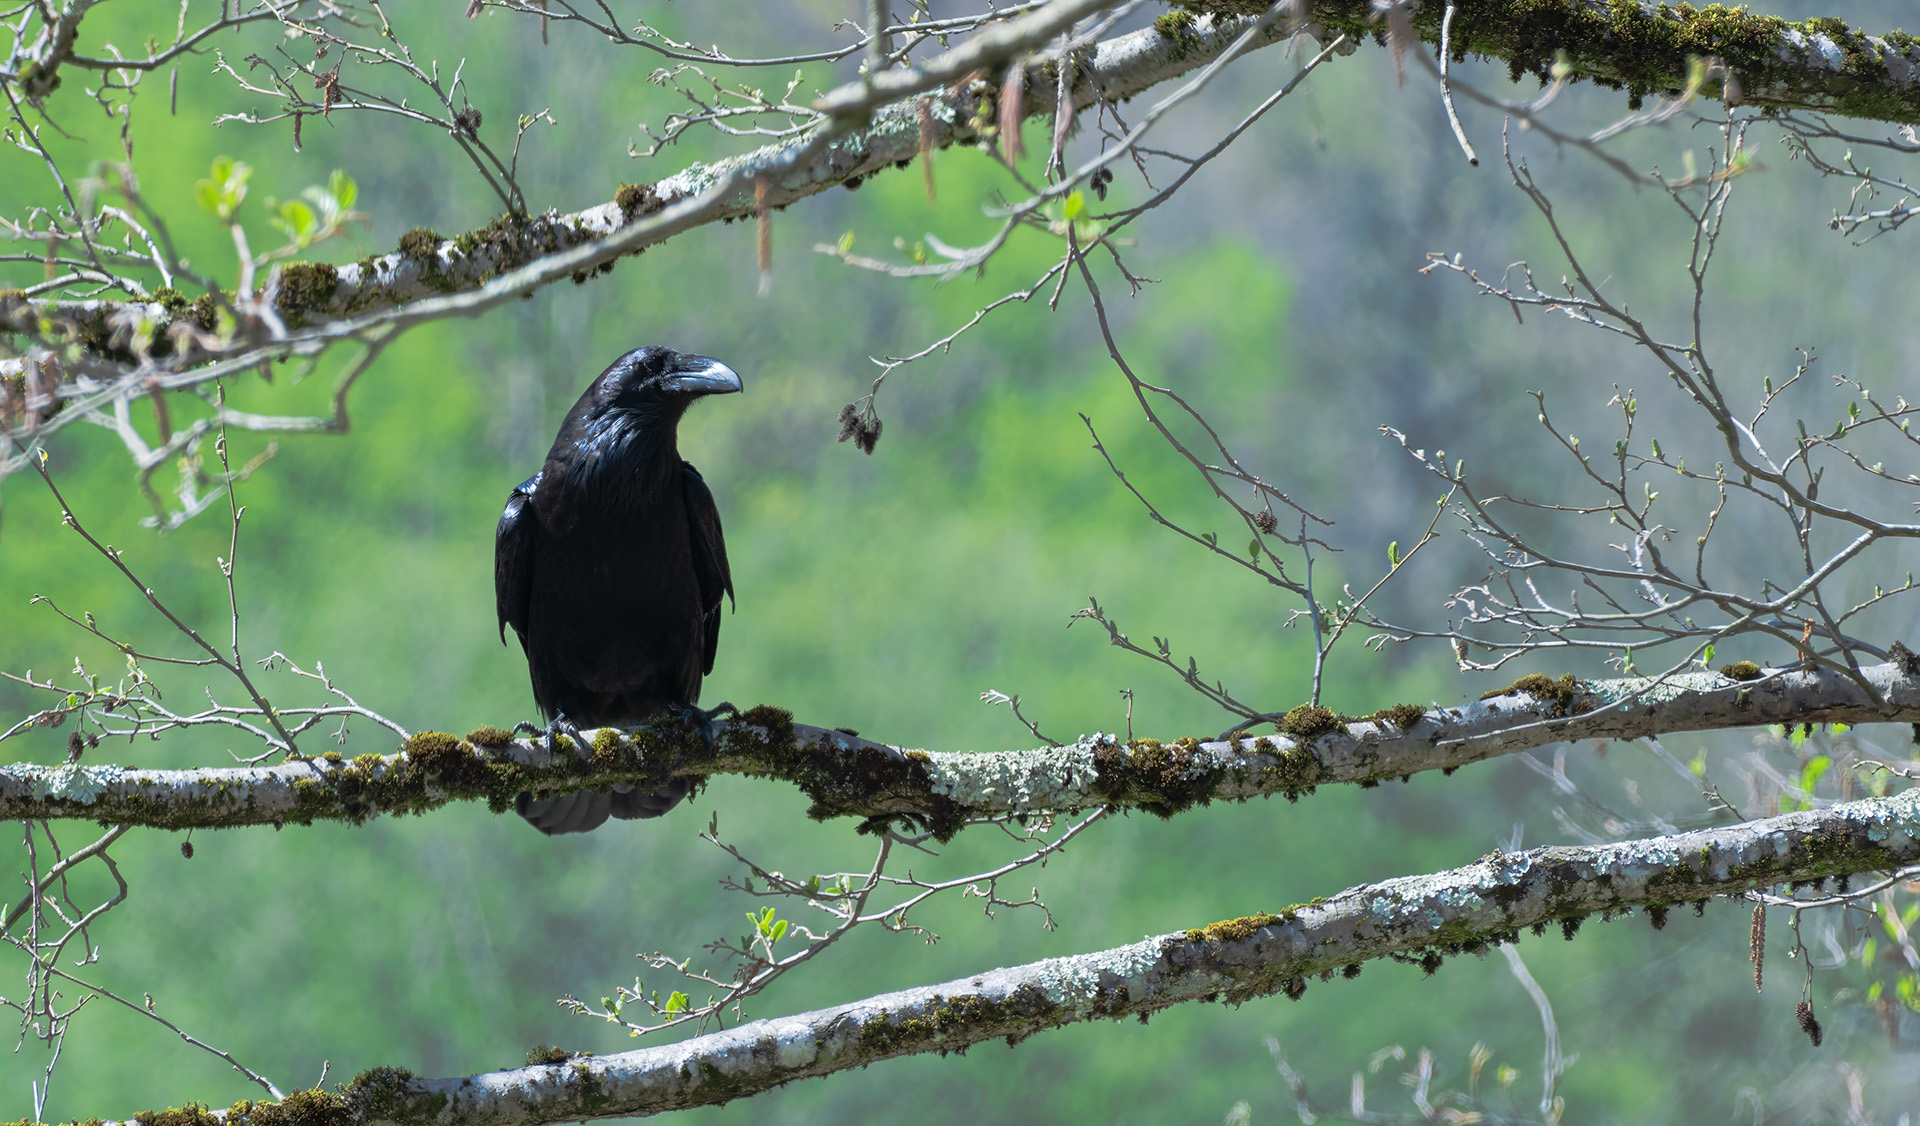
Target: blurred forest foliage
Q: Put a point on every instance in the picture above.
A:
(886, 593)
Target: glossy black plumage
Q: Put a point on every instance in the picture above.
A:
(610, 566)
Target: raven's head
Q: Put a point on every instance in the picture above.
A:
(659, 382)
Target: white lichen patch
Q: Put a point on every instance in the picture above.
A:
(1461, 899)
(1077, 980)
(1047, 778)
(69, 781)
(1664, 690)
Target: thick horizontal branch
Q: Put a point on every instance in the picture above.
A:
(1416, 919)
(515, 254)
(1816, 64)
(847, 776)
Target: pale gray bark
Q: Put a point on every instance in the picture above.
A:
(850, 776)
(510, 259)
(1419, 918)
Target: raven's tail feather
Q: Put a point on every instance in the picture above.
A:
(587, 810)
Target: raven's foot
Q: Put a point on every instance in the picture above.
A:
(559, 726)
(701, 720)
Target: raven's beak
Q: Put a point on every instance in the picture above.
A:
(698, 375)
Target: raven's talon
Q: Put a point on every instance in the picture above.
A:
(527, 727)
(701, 719)
(561, 725)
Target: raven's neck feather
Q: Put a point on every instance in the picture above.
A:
(620, 461)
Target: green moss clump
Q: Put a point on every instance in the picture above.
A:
(637, 199)
(192, 1114)
(1646, 48)
(777, 722)
(950, 1019)
(377, 1093)
(606, 748)
(1310, 721)
(170, 299)
(1565, 694)
(1161, 778)
(1742, 670)
(1403, 716)
(1298, 768)
(840, 778)
(204, 311)
(541, 1055)
(430, 746)
(1177, 25)
(490, 737)
(1233, 930)
(301, 1108)
(512, 239)
(305, 286)
(420, 244)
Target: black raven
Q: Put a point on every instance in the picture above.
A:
(609, 564)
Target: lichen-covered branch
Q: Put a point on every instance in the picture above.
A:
(847, 776)
(1816, 64)
(1416, 919)
(515, 254)
(1819, 64)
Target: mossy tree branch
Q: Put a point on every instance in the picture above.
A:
(1416, 919)
(515, 254)
(847, 776)
(1818, 64)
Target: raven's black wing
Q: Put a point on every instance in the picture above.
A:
(513, 559)
(709, 557)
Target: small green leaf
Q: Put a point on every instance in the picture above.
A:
(298, 221)
(222, 193)
(1253, 548)
(1393, 553)
(1706, 655)
(676, 1003)
(1656, 449)
(845, 244)
(1811, 774)
(1076, 206)
(342, 188)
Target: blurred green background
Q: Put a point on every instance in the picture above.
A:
(885, 593)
